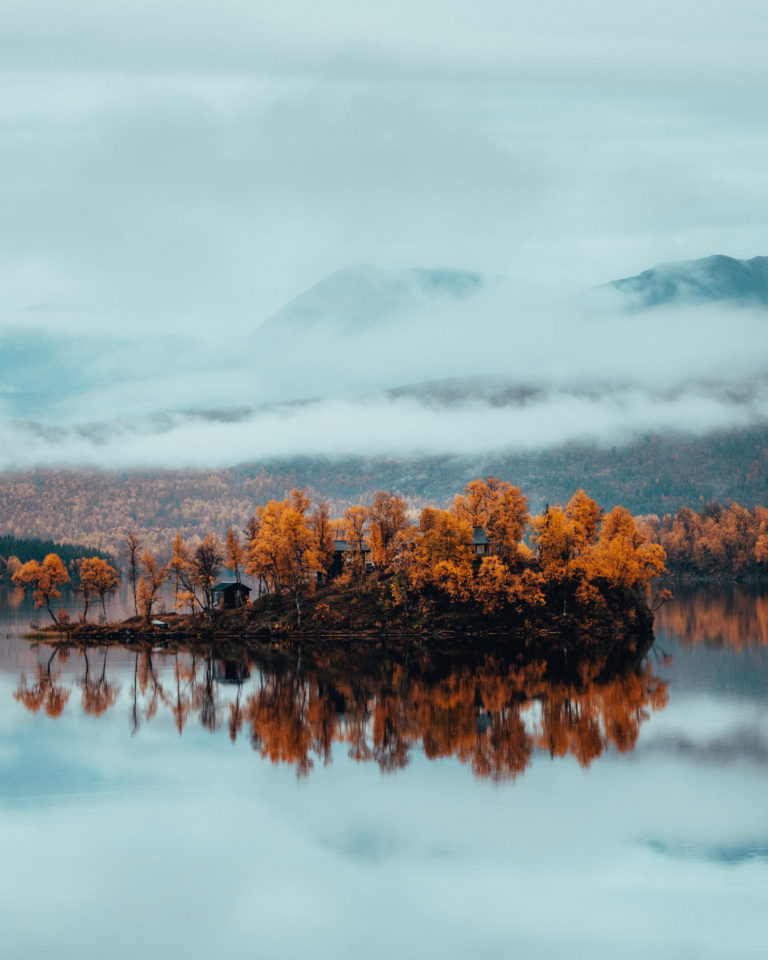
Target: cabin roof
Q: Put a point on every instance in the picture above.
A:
(230, 585)
(479, 536)
(342, 546)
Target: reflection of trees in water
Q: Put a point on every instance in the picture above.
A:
(98, 694)
(45, 692)
(735, 617)
(181, 701)
(491, 716)
(204, 697)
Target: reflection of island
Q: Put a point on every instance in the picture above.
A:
(736, 618)
(490, 714)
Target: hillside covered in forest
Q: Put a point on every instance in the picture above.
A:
(657, 475)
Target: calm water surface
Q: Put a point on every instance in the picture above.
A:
(162, 805)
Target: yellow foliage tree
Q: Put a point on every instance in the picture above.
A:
(97, 577)
(150, 583)
(44, 579)
(387, 517)
(283, 550)
(622, 555)
(442, 555)
(497, 506)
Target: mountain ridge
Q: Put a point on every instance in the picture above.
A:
(715, 279)
(359, 296)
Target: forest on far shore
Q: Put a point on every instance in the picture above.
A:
(655, 475)
(15, 551)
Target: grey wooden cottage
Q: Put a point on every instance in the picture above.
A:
(480, 542)
(231, 594)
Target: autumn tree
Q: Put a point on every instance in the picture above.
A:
(300, 559)
(323, 532)
(584, 516)
(356, 536)
(97, 577)
(181, 568)
(623, 556)
(263, 554)
(233, 556)
(132, 554)
(497, 506)
(401, 563)
(150, 582)
(206, 561)
(442, 555)
(386, 518)
(556, 543)
(85, 589)
(44, 580)
(282, 552)
(761, 542)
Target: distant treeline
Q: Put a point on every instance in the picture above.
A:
(718, 540)
(652, 476)
(22, 550)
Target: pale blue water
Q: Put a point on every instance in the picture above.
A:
(119, 837)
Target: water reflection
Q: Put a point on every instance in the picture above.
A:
(46, 691)
(731, 616)
(489, 714)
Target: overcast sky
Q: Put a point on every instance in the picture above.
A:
(187, 167)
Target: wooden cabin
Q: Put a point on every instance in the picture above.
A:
(343, 552)
(481, 545)
(230, 595)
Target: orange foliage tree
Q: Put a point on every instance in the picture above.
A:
(283, 551)
(387, 518)
(442, 554)
(44, 580)
(498, 507)
(151, 580)
(97, 577)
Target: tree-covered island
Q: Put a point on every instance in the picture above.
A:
(571, 582)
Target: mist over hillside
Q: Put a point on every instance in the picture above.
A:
(358, 298)
(446, 373)
(710, 280)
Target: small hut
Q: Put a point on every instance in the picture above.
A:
(228, 671)
(231, 594)
(480, 542)
(343, 552)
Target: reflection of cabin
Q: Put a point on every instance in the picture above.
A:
(480, 542)
(227, 671)
(343, 552)
(227, 596)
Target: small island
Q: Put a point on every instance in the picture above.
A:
(568, 587)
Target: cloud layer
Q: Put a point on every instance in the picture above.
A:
(172, 174)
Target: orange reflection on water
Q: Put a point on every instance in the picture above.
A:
(735, 618)
(45, 692)
(490, 716)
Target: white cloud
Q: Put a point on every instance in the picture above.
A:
(181, 170)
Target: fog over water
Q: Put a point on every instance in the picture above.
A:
(173, 175)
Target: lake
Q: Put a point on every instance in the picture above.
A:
(171, 805)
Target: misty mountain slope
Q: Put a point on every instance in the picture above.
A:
(441, 361)
(709, 280)
(360, 297)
